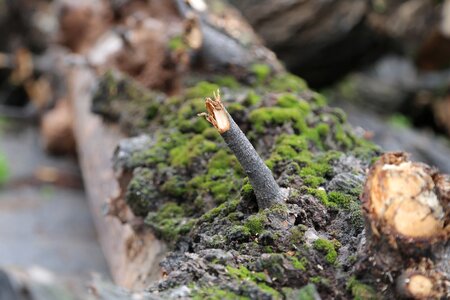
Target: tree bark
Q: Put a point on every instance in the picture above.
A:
(266, 188)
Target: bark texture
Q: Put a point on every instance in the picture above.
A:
(264, 185)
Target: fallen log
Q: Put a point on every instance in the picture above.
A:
(175, 179)
(132, 252)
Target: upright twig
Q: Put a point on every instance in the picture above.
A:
(264, 185)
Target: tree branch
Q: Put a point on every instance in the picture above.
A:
(264, 185)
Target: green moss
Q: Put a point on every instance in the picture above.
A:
(270, 291)
(227, 81)
(342, 137)
(214, 293)
(287, 82)
(4, 169)
(299, 264)
(255, 223)
(313, 174)
(319, 280)
(243, 273)
(247, 192)
(326, 247)
(261, 72)
(175, 187)
(211, 134)
(321, 195)
(238, 233)
(183, 154)
(308, 292)
(202, 89)
(220, 211)
(290, 100)
(235, 107)
(340, 199)
(259, 278)
(360, 291)
(264, 116)
(319, 99)
(195, 125)
(323, 129)
(365, 149)
(169, 222)
(222, 178)
(252, 98)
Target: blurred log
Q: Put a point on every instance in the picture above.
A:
(323, 40)
(132, 252)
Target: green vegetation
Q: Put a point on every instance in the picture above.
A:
(169, 221)
(360, 291)
(259, 278)
(4, 169)
(214, 293)
(299, 264)
(328, 248)
(255, 223)
(400, 121)
(308, 292)
(261, 72)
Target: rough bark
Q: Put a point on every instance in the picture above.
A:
(266, 189)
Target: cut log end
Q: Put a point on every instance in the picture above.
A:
(413, 284)
(402, 201)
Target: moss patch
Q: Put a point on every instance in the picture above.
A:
(214, 293)
(327, 248)
(169, 221)
(4, 169)
(360, 291)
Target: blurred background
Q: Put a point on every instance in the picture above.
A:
(385, 62)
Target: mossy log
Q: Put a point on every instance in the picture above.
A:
(176, 179)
